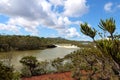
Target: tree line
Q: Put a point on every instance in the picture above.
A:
(18, 42)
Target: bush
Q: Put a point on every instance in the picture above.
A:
(6, 72)
(16, 76)
(31, 64)
(25, 72)
(32, 67)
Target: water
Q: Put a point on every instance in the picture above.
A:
(14, 57)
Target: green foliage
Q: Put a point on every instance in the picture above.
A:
(43, 67)
(85, 29)
(6, 72)
(110, 48)
(61, 65)
(30, 62)
(32, 67)
(83, 60)
(108, 25)
(16, 42)
(90, 61)
(16, 75)
(58, 64)
(25, 72)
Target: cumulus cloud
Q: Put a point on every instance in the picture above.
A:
(75, 8)
(108, 7)
(36, 13)
(27, 25)
(9, 28)
(22, 8)
(72, 32)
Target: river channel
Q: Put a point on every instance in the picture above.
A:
(14, 57)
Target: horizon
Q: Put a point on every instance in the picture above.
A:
(55, 18)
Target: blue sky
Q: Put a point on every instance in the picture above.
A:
(55, 18)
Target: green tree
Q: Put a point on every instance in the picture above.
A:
(31, 62)
(108, 25)
(87, 30)
(110, 48)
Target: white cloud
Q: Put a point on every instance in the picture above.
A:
(75, 8)
(36, 13)
(64, 21)
(56, 2)
(108, 7)
(72, 32)
(27, 25)
(111, 7)
(9, 28)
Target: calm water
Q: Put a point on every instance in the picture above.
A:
(47, 54)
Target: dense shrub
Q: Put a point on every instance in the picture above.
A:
(25, 72)
(32, 67)
(31, 63)
(8, 73)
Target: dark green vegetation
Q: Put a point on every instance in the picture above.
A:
(15, 42)
(8, 73)
(30, 62)
(32, 67)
